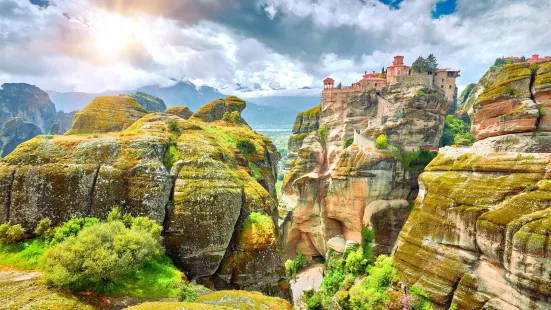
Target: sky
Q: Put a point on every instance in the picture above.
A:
(276, 47)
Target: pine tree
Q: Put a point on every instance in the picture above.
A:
(432, 63)
(420, 65)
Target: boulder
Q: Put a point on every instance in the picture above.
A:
(214, 110)
(107, 114)
(187, 175)
(182, 111)
(337, 243)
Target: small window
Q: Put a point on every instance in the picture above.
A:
(441, 86)
(450, 87)
(442, 80)
(375, 84)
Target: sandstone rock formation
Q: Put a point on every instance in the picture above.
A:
(478, 234)
(333, 191)
(107, 114)
(181, 111)
(25, 111)
(15, 131)
(63, 122)
(148, 102)
(27, 102)
(222, 300)
(306, 122)
(214, 110)
(188, 175)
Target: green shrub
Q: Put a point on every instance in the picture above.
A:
(233, 117)
(348, 142)
(381, 142)
(542, 111)
(420, 92)
(44, 229)
(72, 227)
(368, 238)
(292, 266)
(100, 255)
(370, 293)
(422, 301)
(315, 303)
(323, 131)
(10, 234)
(172, 125)
(246, 146)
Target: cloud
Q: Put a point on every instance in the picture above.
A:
(74, 45)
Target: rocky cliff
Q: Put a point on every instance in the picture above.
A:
(15, 131)
(27, 102)
(210, 184)
(334, 191)
(25, 111)
(478, 234)
(148, 102)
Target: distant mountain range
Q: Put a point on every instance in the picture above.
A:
(271, 110)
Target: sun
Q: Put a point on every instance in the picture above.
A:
(111, 36)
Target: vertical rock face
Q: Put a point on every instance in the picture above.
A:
(148, 102)
(306, 122)
(333, 191)
(63, 122)
(478, 234)
(15, 131)
(27, 102)
(212, 198)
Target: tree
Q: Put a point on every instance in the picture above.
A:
(499, 62)
(323, 130)
(523, 59)
(432, 63)
(420, 65)
(383, 70)
(339, 86)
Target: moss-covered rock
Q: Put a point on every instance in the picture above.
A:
(192, 176)
(183, 112)
(149, 102)
(214, 110)
(107, 114)
(477, 233)
(228, 300)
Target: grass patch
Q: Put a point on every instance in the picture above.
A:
(172, 155)
(156, 278)
(25, 255)
(255, 171)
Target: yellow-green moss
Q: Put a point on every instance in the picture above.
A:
(244, 300)
(107, 114)
(258, 232)
(512, 81)
(181, 111)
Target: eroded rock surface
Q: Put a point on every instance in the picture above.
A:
(332, 189)
(186, 174)
(478, 234)
(107, 114)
